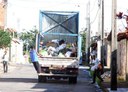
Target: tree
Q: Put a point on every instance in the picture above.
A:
(29, 38)
(83, 41)
(5, 39)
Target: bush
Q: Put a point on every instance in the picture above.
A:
(5, 39)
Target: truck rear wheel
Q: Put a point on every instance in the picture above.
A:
(73, 80)
(42, 79)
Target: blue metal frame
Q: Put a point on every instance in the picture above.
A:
(61, 34)
(59, 24)
(69, 34)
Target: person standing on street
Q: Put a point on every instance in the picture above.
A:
(5, 61)
(34, 59)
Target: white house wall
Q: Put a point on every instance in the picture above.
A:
(17, 52)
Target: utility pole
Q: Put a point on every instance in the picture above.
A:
(100, 42)
(99, 31)
(88, 32)
(102, 35)
(114, 48)
(100, 51)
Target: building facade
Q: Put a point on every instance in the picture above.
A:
(2, 13)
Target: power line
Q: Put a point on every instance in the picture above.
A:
(95, 16)
(93, 6)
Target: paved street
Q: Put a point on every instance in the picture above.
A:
(23, 78)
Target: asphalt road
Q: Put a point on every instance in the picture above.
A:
(23, 78)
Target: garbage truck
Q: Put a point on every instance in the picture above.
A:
(57, 26)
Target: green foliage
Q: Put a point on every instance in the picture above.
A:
(5, 39)
(29, 37)
(83, 41)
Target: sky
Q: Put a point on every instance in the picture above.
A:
(24, 14)
(121, 7)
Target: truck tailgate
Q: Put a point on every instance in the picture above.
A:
(59, 62)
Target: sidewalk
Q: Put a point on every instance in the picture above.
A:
(11, 67)
(106, 84)
(121, 86)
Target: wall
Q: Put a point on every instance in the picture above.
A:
(17, 52)
(2, 12)
(122, 60)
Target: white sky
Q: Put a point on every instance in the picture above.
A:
(121, 6)
(24, 14)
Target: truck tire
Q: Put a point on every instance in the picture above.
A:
(42, 79)
(72, 80)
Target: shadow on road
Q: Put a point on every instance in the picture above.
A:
(31, 80)
(25, 80)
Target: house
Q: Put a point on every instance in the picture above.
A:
(2, 13)
(122, 54)
(16, 49)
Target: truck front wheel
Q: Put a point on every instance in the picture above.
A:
(73, 80)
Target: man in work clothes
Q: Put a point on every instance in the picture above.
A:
(94, 67)
(34, 59)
